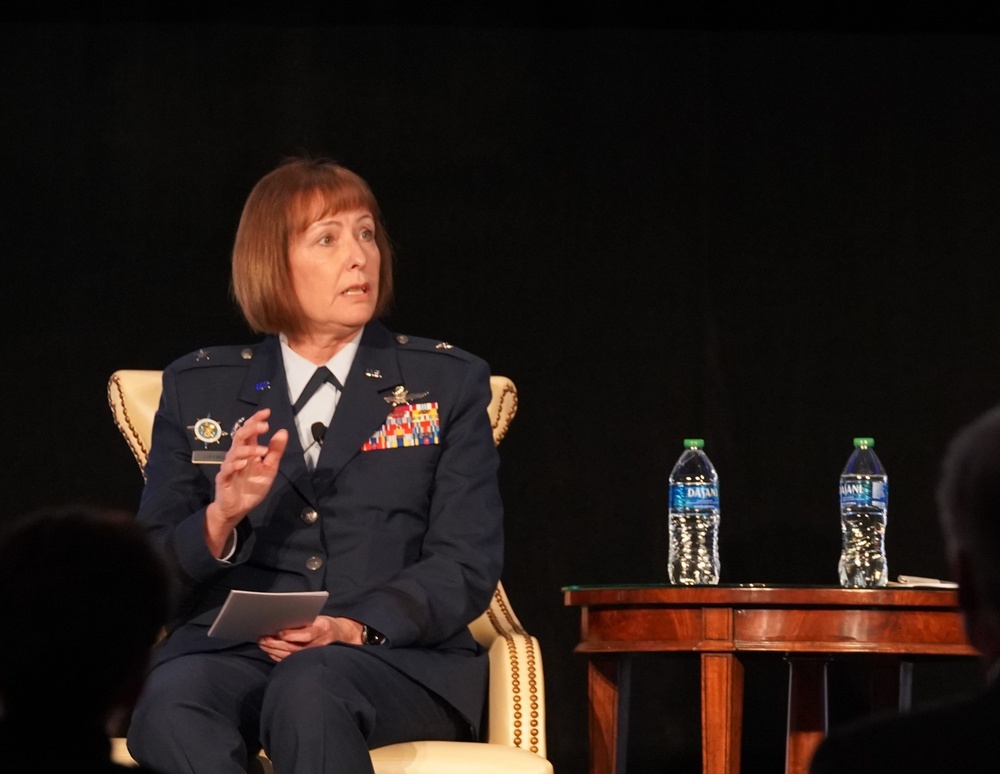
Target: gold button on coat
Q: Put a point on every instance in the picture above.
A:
(314, 563)
(309, 515)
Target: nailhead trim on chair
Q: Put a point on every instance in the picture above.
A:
(495, 422)
(135, 440)
(513, 623)
(515, 670)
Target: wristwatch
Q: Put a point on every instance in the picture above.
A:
(371, 636)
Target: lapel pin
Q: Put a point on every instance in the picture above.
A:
(207, 430)
(261, 386)
(373, 373)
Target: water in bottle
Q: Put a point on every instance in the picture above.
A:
(864, 492)
(694, 518)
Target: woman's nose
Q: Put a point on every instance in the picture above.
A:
(358, 257)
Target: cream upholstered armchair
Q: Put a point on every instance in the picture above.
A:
(515, 731)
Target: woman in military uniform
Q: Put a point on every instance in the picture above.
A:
(374, 481)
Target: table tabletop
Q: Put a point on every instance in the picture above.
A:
(818, 619)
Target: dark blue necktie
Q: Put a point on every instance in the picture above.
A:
(323, 374)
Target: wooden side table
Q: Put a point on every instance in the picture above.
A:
(807, 625)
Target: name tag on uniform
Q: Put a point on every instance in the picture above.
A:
(207, 457)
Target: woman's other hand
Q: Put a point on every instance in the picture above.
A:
(322, 631)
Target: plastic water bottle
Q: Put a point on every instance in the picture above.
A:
(694, 518)
(864, 497)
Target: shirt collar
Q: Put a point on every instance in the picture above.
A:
(298, 370)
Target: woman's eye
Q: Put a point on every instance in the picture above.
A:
(326, 240)
(367, 234)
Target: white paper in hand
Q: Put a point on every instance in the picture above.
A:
(248, 615)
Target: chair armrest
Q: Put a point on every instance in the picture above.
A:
(516, 712)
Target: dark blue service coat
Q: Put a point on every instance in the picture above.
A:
(407, 540)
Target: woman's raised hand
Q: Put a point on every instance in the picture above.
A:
(243, 480)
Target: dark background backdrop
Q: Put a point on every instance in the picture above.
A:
(773, 231)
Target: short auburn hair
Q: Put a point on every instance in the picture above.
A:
(281, 206)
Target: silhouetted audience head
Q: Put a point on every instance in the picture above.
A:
(83, 597)
(969, 506)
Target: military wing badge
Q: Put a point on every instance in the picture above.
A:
(400, 396)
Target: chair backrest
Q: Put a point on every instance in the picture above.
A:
(134, 397)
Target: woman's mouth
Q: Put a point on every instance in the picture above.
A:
(356, 290)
